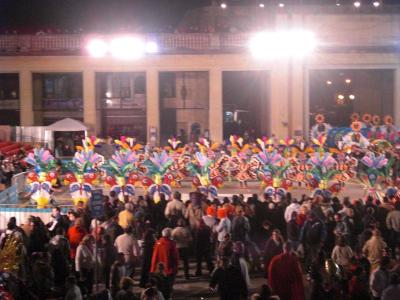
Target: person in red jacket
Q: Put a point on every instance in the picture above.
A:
(166, 253)
(285, 276)
(75, 235)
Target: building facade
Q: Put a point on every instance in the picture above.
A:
(208, 84)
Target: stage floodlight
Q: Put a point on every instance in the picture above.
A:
(97, 48)
(127, 48)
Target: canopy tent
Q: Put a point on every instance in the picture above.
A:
(67, 124)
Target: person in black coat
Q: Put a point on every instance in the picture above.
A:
(147, 247)
(229, 280)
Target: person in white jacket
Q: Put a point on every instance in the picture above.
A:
(342, 254)
(84, 262)
(224, 226)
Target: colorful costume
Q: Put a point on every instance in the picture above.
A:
(40, 178)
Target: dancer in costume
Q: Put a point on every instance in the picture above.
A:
(122, 169)
(355, 138)
(41, 177)
(160, 180)
(200, 168)
(84, 171)
(320, 128)
(273, 168)
(180, 159)
(321, 171)
(373, 173)
(238, 164)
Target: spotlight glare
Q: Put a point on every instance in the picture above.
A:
(223, 5)
(376, 4)
(357, 4)
(108, 94)
(97, 48)
(127, 48)
(348, 80)
(294, 43)
(281, 5)
(340, 96)
(261, 5)
(352, 97)
(151, 47)
(328, 82)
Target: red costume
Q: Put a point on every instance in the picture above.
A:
(165, 252)
(285, 277)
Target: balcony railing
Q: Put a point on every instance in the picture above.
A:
(60, 104)
(137, 102)
(331, 38)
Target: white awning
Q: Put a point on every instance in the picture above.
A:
(67, 124)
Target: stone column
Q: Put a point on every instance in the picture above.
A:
(279, 109)
(26, 98)
(396, 96)
(89, 101)
(152, 105)
(216, 106)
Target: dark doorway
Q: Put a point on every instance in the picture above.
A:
(245, 103)
(337, 94)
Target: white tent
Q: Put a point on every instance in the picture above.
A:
(67, 124)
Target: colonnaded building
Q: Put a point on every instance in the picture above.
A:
(192, 83)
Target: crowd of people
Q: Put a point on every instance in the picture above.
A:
(10, 166)
(314, 248)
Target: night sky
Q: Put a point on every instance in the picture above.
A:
(110, 15)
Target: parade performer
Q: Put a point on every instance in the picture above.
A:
(41, 177)
(388, 131)
(321, 170)
(200, 168)
(122, 169)
(273, 168)
(157, 167)
(320, 128)
(176, 150)
(238, 163)
(355, 138)
(84, 171)
(373, 173)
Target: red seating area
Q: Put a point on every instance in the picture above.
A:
(10, 148)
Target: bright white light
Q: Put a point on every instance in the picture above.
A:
(357, 4)
(294, 43)
(352, 97)
(261, 5)
(376, 3)
(108, 101)
(340, 96)
(328, 82)
(337, 3)
(281, 5)
(108, 94)
(127, 48)
(151, 47)
(97, 48)
(223, 5)
(348, 80)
